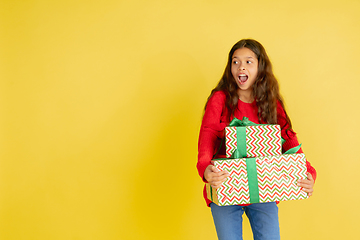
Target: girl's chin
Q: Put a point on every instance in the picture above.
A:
(244, 87)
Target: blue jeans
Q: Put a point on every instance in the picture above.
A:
(263, 218)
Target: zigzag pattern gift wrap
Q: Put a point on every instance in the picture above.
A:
(261, 179)
(253, 141)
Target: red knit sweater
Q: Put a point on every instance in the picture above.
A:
(216, 119)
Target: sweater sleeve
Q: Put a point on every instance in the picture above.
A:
(290, 137)
(288, 134)
(211, 131)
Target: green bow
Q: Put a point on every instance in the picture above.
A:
(241, 123)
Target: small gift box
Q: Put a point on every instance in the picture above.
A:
(260, 179)
(244, 138)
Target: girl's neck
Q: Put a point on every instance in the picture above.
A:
(246, 97)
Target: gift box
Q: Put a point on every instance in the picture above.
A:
(246, 139)
(260, 179)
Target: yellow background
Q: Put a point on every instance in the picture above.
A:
(101, 104)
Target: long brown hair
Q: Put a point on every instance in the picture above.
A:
(265, 89)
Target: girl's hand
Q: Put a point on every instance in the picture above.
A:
(307, 184)
(214, 176)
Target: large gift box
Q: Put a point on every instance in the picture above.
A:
(247, 139)
(260, 179)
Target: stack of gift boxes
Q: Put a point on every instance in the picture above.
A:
(259, 172)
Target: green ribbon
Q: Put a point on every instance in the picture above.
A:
(240, 151)
(252, 180)
(293, 150)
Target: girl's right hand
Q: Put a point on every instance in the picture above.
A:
(214, 176)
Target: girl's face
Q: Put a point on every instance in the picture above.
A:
(244, 68)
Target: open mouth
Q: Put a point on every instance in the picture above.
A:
(242, 78)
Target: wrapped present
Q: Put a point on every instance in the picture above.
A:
(260, 179)
(244, 138)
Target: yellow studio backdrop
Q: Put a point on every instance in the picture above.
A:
(101, 104)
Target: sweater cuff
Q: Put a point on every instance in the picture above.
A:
(201, 166)
(311, 170)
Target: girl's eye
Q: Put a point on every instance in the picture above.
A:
(249, 61)
(235, 62)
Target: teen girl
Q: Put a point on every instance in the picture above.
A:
(248, 88)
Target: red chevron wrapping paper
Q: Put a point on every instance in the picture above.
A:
(261, 140)
(276, 176)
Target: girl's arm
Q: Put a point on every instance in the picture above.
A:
(291, 141)
(211, 131)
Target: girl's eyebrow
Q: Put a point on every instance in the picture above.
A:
(245, 57)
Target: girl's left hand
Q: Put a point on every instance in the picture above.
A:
(307, 184)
